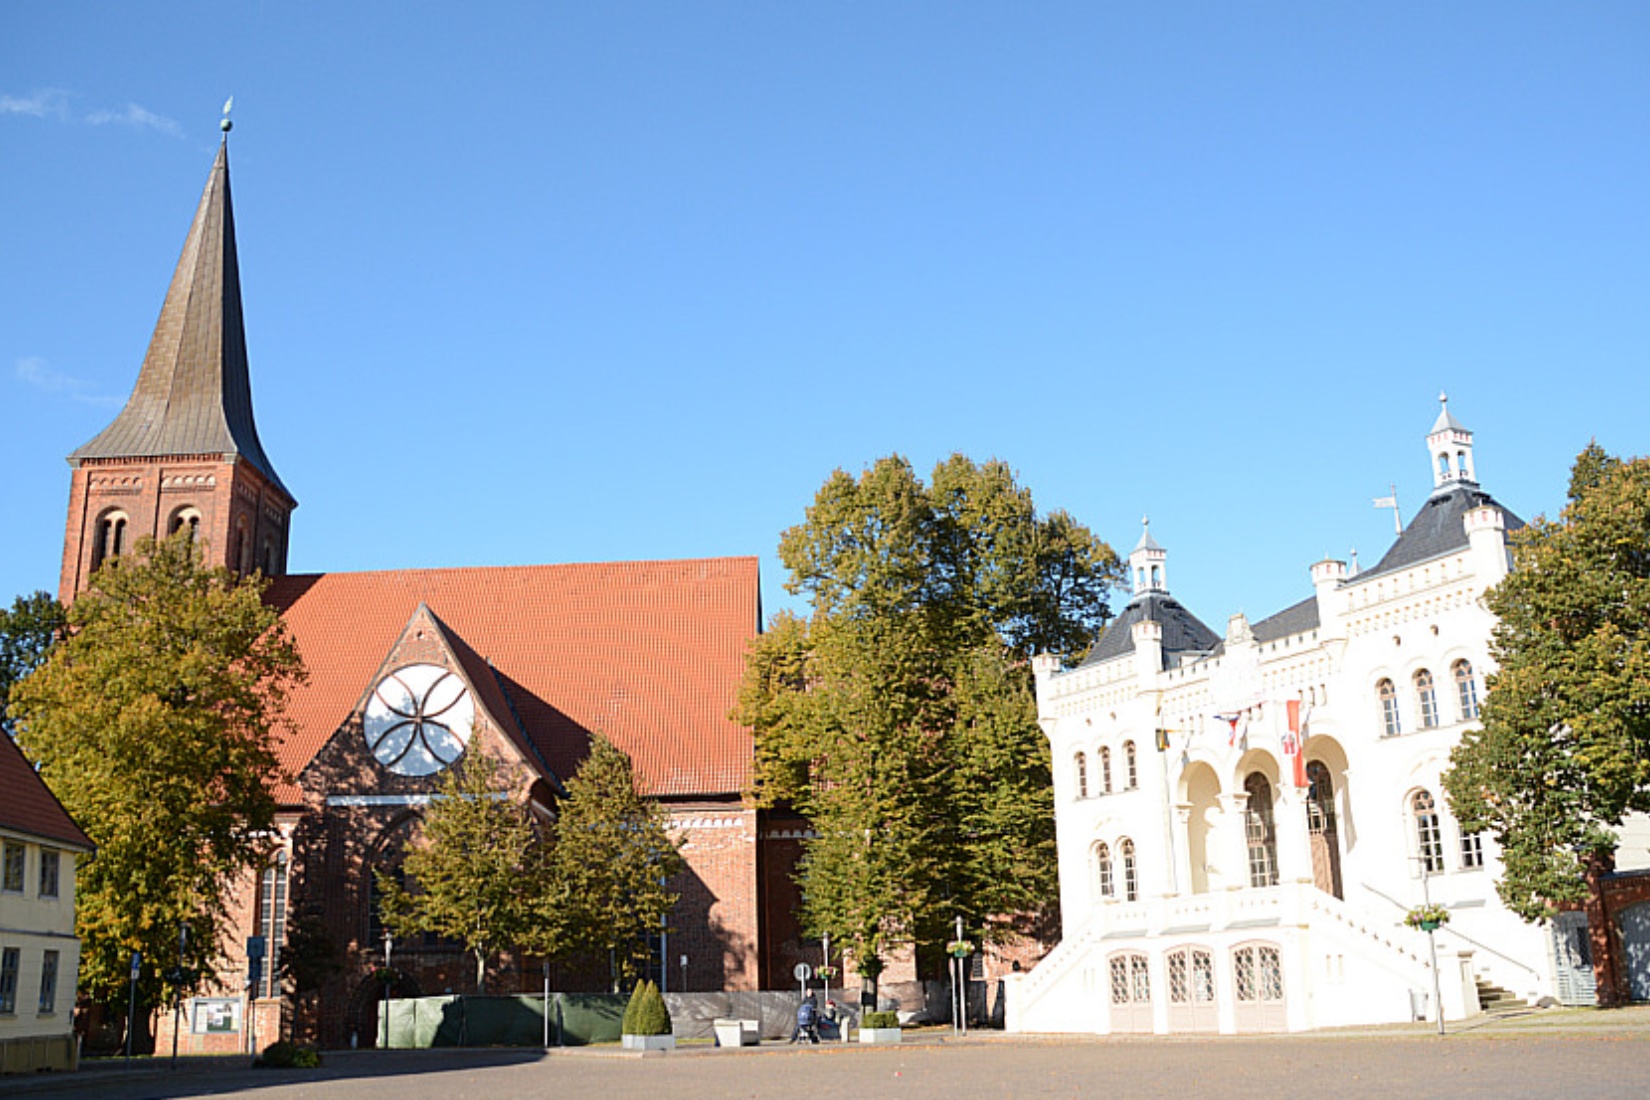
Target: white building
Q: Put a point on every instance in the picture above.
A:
(39, 952)
(1213, 879)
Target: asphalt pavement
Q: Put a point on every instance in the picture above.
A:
(1550, 1053)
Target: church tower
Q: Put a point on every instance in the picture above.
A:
(184, 452)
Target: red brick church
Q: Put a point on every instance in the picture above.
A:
(411, 669)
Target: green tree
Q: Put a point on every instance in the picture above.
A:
(900, 716)
(606, 885)
(27, 633)
(1564, 751)
(154, 721)
(476, 868)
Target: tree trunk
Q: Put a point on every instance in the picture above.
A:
(481, 971)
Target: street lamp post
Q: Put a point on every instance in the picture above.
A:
(389, 944)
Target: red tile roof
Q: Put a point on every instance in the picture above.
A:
(27, 805)
(648, 653)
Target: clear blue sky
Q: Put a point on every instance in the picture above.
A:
(563, 282)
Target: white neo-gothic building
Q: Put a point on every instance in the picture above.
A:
(1244, 820)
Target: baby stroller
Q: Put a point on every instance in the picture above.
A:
(807, 1022)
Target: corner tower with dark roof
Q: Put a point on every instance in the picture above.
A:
(184, 451)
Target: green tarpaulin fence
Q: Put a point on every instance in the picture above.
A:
(576, 1019)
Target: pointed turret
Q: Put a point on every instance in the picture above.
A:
(1450, 444)
(184, 451)
(193, 395)
(1148, 562)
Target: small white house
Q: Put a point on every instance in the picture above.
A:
(39, 952)
(1245, 818)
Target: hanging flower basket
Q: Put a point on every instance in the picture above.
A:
(959, 949)
(386, 974)
(1428, 918)
(827, 972)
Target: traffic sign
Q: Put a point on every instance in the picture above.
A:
(255, 947)
(802, 972)
(137, 965)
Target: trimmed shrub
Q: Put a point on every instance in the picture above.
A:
(284, 1055)
(879, 1019)
(646, 1013)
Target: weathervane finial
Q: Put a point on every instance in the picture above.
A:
(226, 125)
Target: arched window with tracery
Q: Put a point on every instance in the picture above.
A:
(1131, 772)
(1429, 838)
(1081, 765)
(1105, 770)
(1391, 724)
(1131, 877)
(272, 898)
(1426, 700)
(1103, 886)
(1466, 689)
(1261, 831)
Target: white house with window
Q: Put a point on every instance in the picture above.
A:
(39, 952)
(1244, 819)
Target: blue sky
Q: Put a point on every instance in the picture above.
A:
(568, 282)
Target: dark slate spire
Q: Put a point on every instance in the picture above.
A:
(193, 396)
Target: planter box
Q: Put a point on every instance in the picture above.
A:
(879, 1034)
(737, 1033)
(648, 1042)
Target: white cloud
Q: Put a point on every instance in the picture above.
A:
(137, 117)
(42, 104)
(54, 103)
(35, 371)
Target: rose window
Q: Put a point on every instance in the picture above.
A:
(418, 720)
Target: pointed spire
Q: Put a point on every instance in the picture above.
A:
(1146, 541)
(1446, 421)
(1450, 444)
(193, 395)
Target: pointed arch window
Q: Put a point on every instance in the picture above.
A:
(1391, 724)
(1103, 885)
(1429, 838)
(1105, 770)
(1466, 689)
(1131, 877)
(1426, 700)
(1131, 770)
(1081, 764)
(272, 897)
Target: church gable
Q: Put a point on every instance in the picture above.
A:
(428, 706)
(648, 654)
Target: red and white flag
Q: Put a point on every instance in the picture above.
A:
(1294, 741)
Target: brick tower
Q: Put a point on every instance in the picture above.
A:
(184, 451)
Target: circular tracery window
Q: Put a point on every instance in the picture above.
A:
(418, 720)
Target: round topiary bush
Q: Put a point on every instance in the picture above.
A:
(879, 1019)
(284, 1055)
